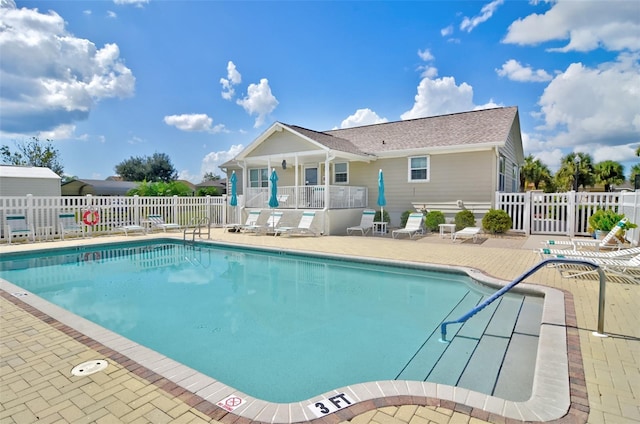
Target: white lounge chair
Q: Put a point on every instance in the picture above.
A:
(67, 224)
(412, 227)
(157, 221)
(304, 226)
(568, 253)
(467, 233)
(132, 228)
(16, 226)
(272, 222)
(366, 223)
(252, 219)
(627, 267)
(610, 241)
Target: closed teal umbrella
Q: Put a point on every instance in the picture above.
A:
(233, 201)
(273, 199)
(382, 202)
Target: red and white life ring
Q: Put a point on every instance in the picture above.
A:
(91, 217)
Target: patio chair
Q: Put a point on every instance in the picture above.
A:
(67, 224)
(610, 241)
(624, 267)
(467, 233)
(272, 222)
(16, 226)
(304, 226)
(366, 223)
(412, 227)
(252, 219)
(157, 221)
(568, 253)
(133, 228)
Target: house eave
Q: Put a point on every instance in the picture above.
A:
(439, 150)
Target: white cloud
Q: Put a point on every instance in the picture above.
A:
(594, 105)
(63, 132)
(445, 32)
(233, 78)
(588, 25)
(514, 70)
(362, 117)
(212, 161)
(136, 140)
(426, 55)
(487, 11)
(440, 96)
(51, 78)
(111, 14)
(138, 3)
(259, 101)
(195, 122)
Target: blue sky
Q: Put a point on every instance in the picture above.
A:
(200, 80)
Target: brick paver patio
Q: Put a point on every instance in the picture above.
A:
(37, 352)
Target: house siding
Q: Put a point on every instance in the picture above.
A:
(282, 142)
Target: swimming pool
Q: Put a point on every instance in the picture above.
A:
(389, 320)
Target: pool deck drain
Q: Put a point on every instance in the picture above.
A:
(361, 412)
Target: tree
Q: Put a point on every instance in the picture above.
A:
(161, 188)
(566, 176)
(534, 172)
(152, 169)
(638, 151)
(33, 153)
(609, 173)
(210, 176)
(635, 170)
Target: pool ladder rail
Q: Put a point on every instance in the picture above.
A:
(496, 295)
(196, 226)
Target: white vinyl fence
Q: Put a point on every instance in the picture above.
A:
(112, 211)
(565, 213)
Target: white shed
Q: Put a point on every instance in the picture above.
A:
(22, 180)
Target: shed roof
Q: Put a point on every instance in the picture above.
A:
(104, 187)
(18, 171)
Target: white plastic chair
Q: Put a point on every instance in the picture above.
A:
(16, 226)
(67, 224)
(412, 227)
(157, 221)
(366, 223)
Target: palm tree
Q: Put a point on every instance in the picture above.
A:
(566, 175)
(609, 173)
(534, 172)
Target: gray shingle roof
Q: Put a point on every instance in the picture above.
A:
(328, 140)
(466, 128)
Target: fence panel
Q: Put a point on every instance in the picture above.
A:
(107, 213)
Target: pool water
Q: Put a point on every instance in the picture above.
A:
(279, 327)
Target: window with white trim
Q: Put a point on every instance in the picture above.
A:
(502, 168)
(418, 168)
(341, 173)
(259, 177)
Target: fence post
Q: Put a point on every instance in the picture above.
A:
(30, 214)
(572, 216)
(174, 211)
(526, 214)
(136, 209)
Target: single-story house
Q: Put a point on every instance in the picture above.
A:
(18, 180)
(97, 187)
(456, 159)
(220, 185)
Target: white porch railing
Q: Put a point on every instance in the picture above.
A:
(113, 211)
(309, 197)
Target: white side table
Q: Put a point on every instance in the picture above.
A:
(449, 227)
(379, 228)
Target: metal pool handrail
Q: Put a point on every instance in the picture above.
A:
(478, 308)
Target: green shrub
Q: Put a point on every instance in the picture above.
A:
(376, 218)
(464, 219)
(606, 219)
(404, 217)
(433, 220)
(497, 221)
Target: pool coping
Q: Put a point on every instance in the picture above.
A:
(559, 388)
